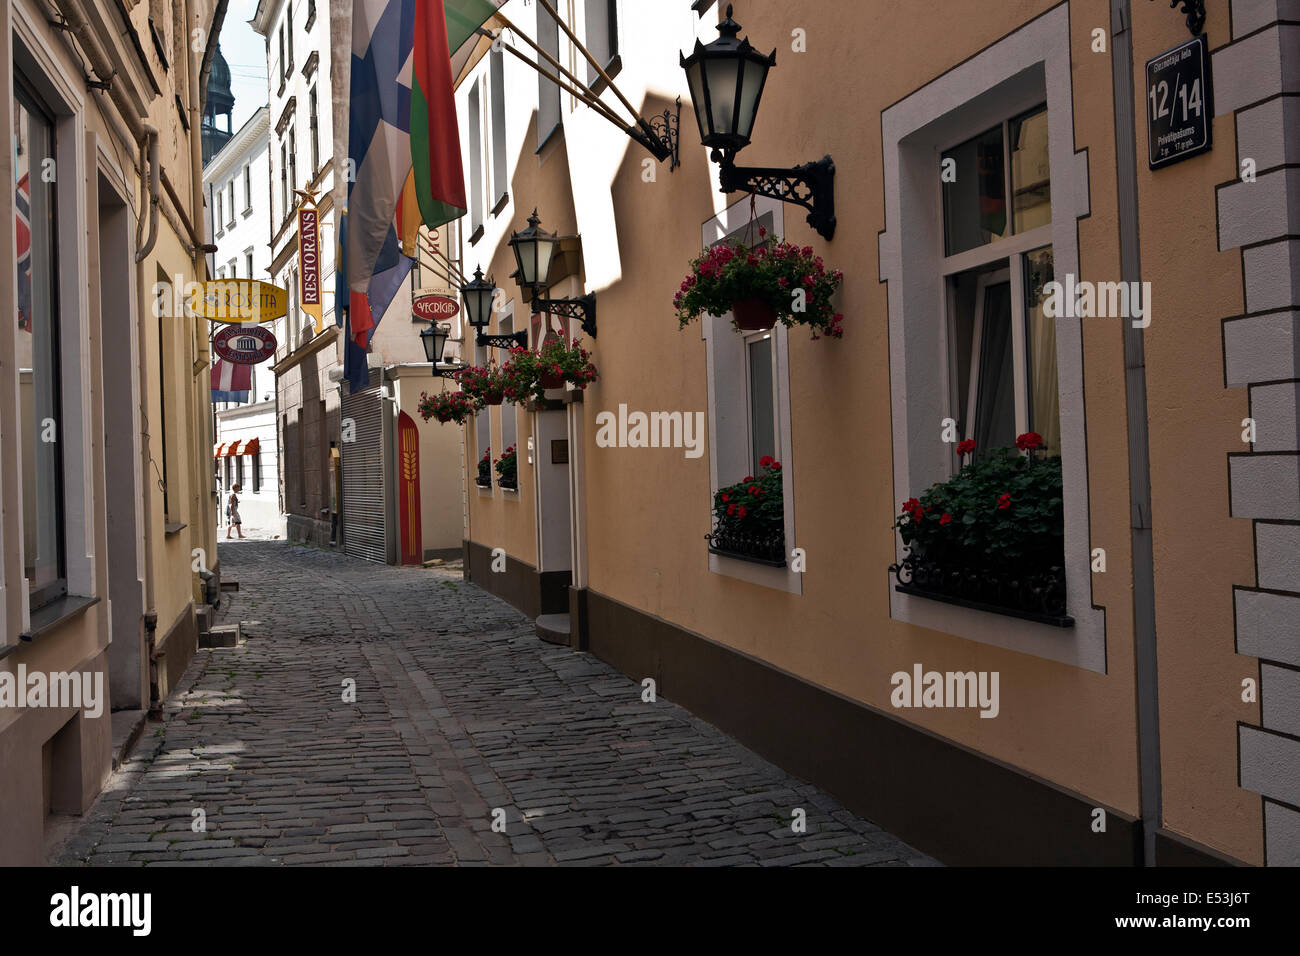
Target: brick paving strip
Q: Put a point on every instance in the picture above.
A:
(460, 713)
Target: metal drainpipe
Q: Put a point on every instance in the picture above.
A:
(1144, 611)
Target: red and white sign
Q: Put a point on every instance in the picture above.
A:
(309, 255)
(244, 344)
(434, 307)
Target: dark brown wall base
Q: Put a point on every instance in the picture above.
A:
(520, 584)
(1173, 849)
(957, 805)
(176, 649)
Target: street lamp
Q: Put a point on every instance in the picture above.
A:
(434, 339)
(477, 295)
(726, 79)
(534, 251)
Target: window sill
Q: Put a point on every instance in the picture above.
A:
(173, 528)
(501, 203)
(475, 236)
(248, 212)
(52, 616)
(510, 490)
(737, 556)
(1061, 621)
(612, 69)
(546, 140)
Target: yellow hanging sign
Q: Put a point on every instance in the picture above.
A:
(237, 300)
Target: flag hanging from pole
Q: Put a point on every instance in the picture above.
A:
(440, 29)
(379, 148)
(230, 382)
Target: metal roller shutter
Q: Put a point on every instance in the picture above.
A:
(364, 530)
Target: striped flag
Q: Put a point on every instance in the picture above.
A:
(23, 215)
(230, 382)
(379, 146)
(440, 29)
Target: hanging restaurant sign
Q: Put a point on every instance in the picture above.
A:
(237, 300)
(244, 344)
(1179, 103)
(309, 263)
(434, 308)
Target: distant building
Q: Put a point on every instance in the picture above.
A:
(220, 102)
(237, 182)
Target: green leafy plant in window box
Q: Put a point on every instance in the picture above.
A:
(484, 478)
(760, 286)
(992, 535)
(507, 469)
(446, 407)
(749, 517)
(529, 374)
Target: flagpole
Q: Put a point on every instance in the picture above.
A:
(586, 97)
(590, 59)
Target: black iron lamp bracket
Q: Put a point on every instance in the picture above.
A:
(661, 135)
(1195, 13)
(511, 341)
(811, 185)
(583, 309)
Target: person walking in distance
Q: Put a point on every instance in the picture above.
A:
(232, 512)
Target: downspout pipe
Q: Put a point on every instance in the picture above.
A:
(1139, 458)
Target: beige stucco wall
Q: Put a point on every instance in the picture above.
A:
(1200, 551)
(648, 509)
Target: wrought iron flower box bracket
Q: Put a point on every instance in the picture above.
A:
(1035, 596)
(513, 340)
(660, 135)
(811, 185)
(1194, 10)
(449, 371)
(757, 549)
(583, 309)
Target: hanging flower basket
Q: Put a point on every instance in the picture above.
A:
(992, 536)
(484, 386)
(753, 315)
(760, 286)
(446, 407)
(528, 374)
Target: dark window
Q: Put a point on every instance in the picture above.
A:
(315, 134)
(38, 355)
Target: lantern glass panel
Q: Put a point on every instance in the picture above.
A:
(695, 79)
(751, 88)
(722, 75)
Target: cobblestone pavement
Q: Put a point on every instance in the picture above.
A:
(460, 712)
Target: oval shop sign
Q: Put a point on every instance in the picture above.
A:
(434, 307)
(244, 344)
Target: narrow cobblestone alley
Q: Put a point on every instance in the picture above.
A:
(460, 712)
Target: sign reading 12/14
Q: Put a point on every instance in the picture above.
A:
(1180, 107)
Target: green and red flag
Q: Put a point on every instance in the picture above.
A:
(439, 179)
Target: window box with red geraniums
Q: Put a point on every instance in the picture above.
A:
(749, 517)
(484, 386)
(990, 537)
(529, 374)
(761, 286)
(507, 468)
(446, 407)
(484, 477)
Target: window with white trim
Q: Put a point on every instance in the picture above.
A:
(497, 94)
(548, 93)
(38, 349)
(964, 263)
(602, 37)
(475, 159)
(748, 416)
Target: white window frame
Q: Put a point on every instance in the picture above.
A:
(729, 406)
(477, 170)
(509, 411)
(65, 96)
(1026, 68)
(748, 339)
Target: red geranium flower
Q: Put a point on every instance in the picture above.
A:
(766, 461)
(946, 519)
(910, 505)
(1028, 441)
(1004, 502)
(966, 447)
